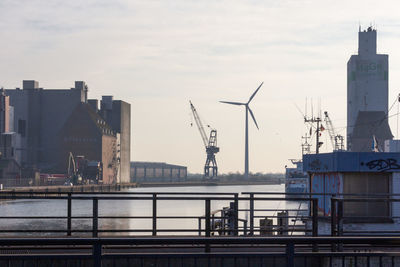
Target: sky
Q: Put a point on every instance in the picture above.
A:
(157, 55)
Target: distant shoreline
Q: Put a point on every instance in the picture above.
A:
(205, 183)
(122, 187)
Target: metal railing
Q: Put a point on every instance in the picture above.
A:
(271, 251)
(231, 220)
(339, 217)
(237, 226)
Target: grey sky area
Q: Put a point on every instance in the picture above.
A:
(158, 55)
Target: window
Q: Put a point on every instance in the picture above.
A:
(371, 184)
(22, 127)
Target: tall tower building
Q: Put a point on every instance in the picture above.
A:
(4, 112)
(367, 95)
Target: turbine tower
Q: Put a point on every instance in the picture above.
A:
(246, 146)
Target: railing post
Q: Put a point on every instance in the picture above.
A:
(290, 254)
(69, 215)
(340, 218)
(340, 222)
(333, 216)
(251, 214)
(208, 221)
(97, 254)
(315, 217)
(333, 222)
(315, 222)
(208, 217)
(154, 214)
(236, 215)
(199, 226)
(95, 222)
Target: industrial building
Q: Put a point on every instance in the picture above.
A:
(117, 114)
(88, 136)
(362, 175)
(40, 117)
(367, 95)
(10, 142)
(157, 172)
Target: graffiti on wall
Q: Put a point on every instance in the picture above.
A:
(327, 183)
(382, 164)
(317, 165)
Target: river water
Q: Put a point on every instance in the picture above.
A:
(133, 208)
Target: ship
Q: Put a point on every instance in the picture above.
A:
(296, 180)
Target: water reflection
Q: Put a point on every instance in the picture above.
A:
(82, 208)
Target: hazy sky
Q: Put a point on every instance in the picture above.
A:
(158, 55)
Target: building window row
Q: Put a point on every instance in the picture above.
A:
(79, 139)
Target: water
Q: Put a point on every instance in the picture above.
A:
(134, 208)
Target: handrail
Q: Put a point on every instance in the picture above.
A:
(208, 217)
(283, 247)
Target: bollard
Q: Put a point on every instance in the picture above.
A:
(283, 223)
(266, 227)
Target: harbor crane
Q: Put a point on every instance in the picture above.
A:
(210, 144)
(336, 139)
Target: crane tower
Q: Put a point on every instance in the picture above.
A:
(336, 139)
(210, 144)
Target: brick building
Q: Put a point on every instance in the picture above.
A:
(87, 134)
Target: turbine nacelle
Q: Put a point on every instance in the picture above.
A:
(246, 104)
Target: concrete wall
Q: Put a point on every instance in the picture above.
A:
(108, 153)
(44, 112)
(79, 136)
(10, 146)
(118, 115)
(56, 107)
(83, 135)
(367, 81)
(4, 112)
(19, 99)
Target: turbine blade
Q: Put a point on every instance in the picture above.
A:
(232, 103)
(254, 119)
(255, 92)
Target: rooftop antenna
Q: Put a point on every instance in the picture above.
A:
(319, 107)
(248, 110)
(312, 108)
(313, 120)
(306, 107)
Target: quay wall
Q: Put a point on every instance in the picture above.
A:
(73, 189)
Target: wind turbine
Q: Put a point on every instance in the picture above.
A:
(246, 146)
